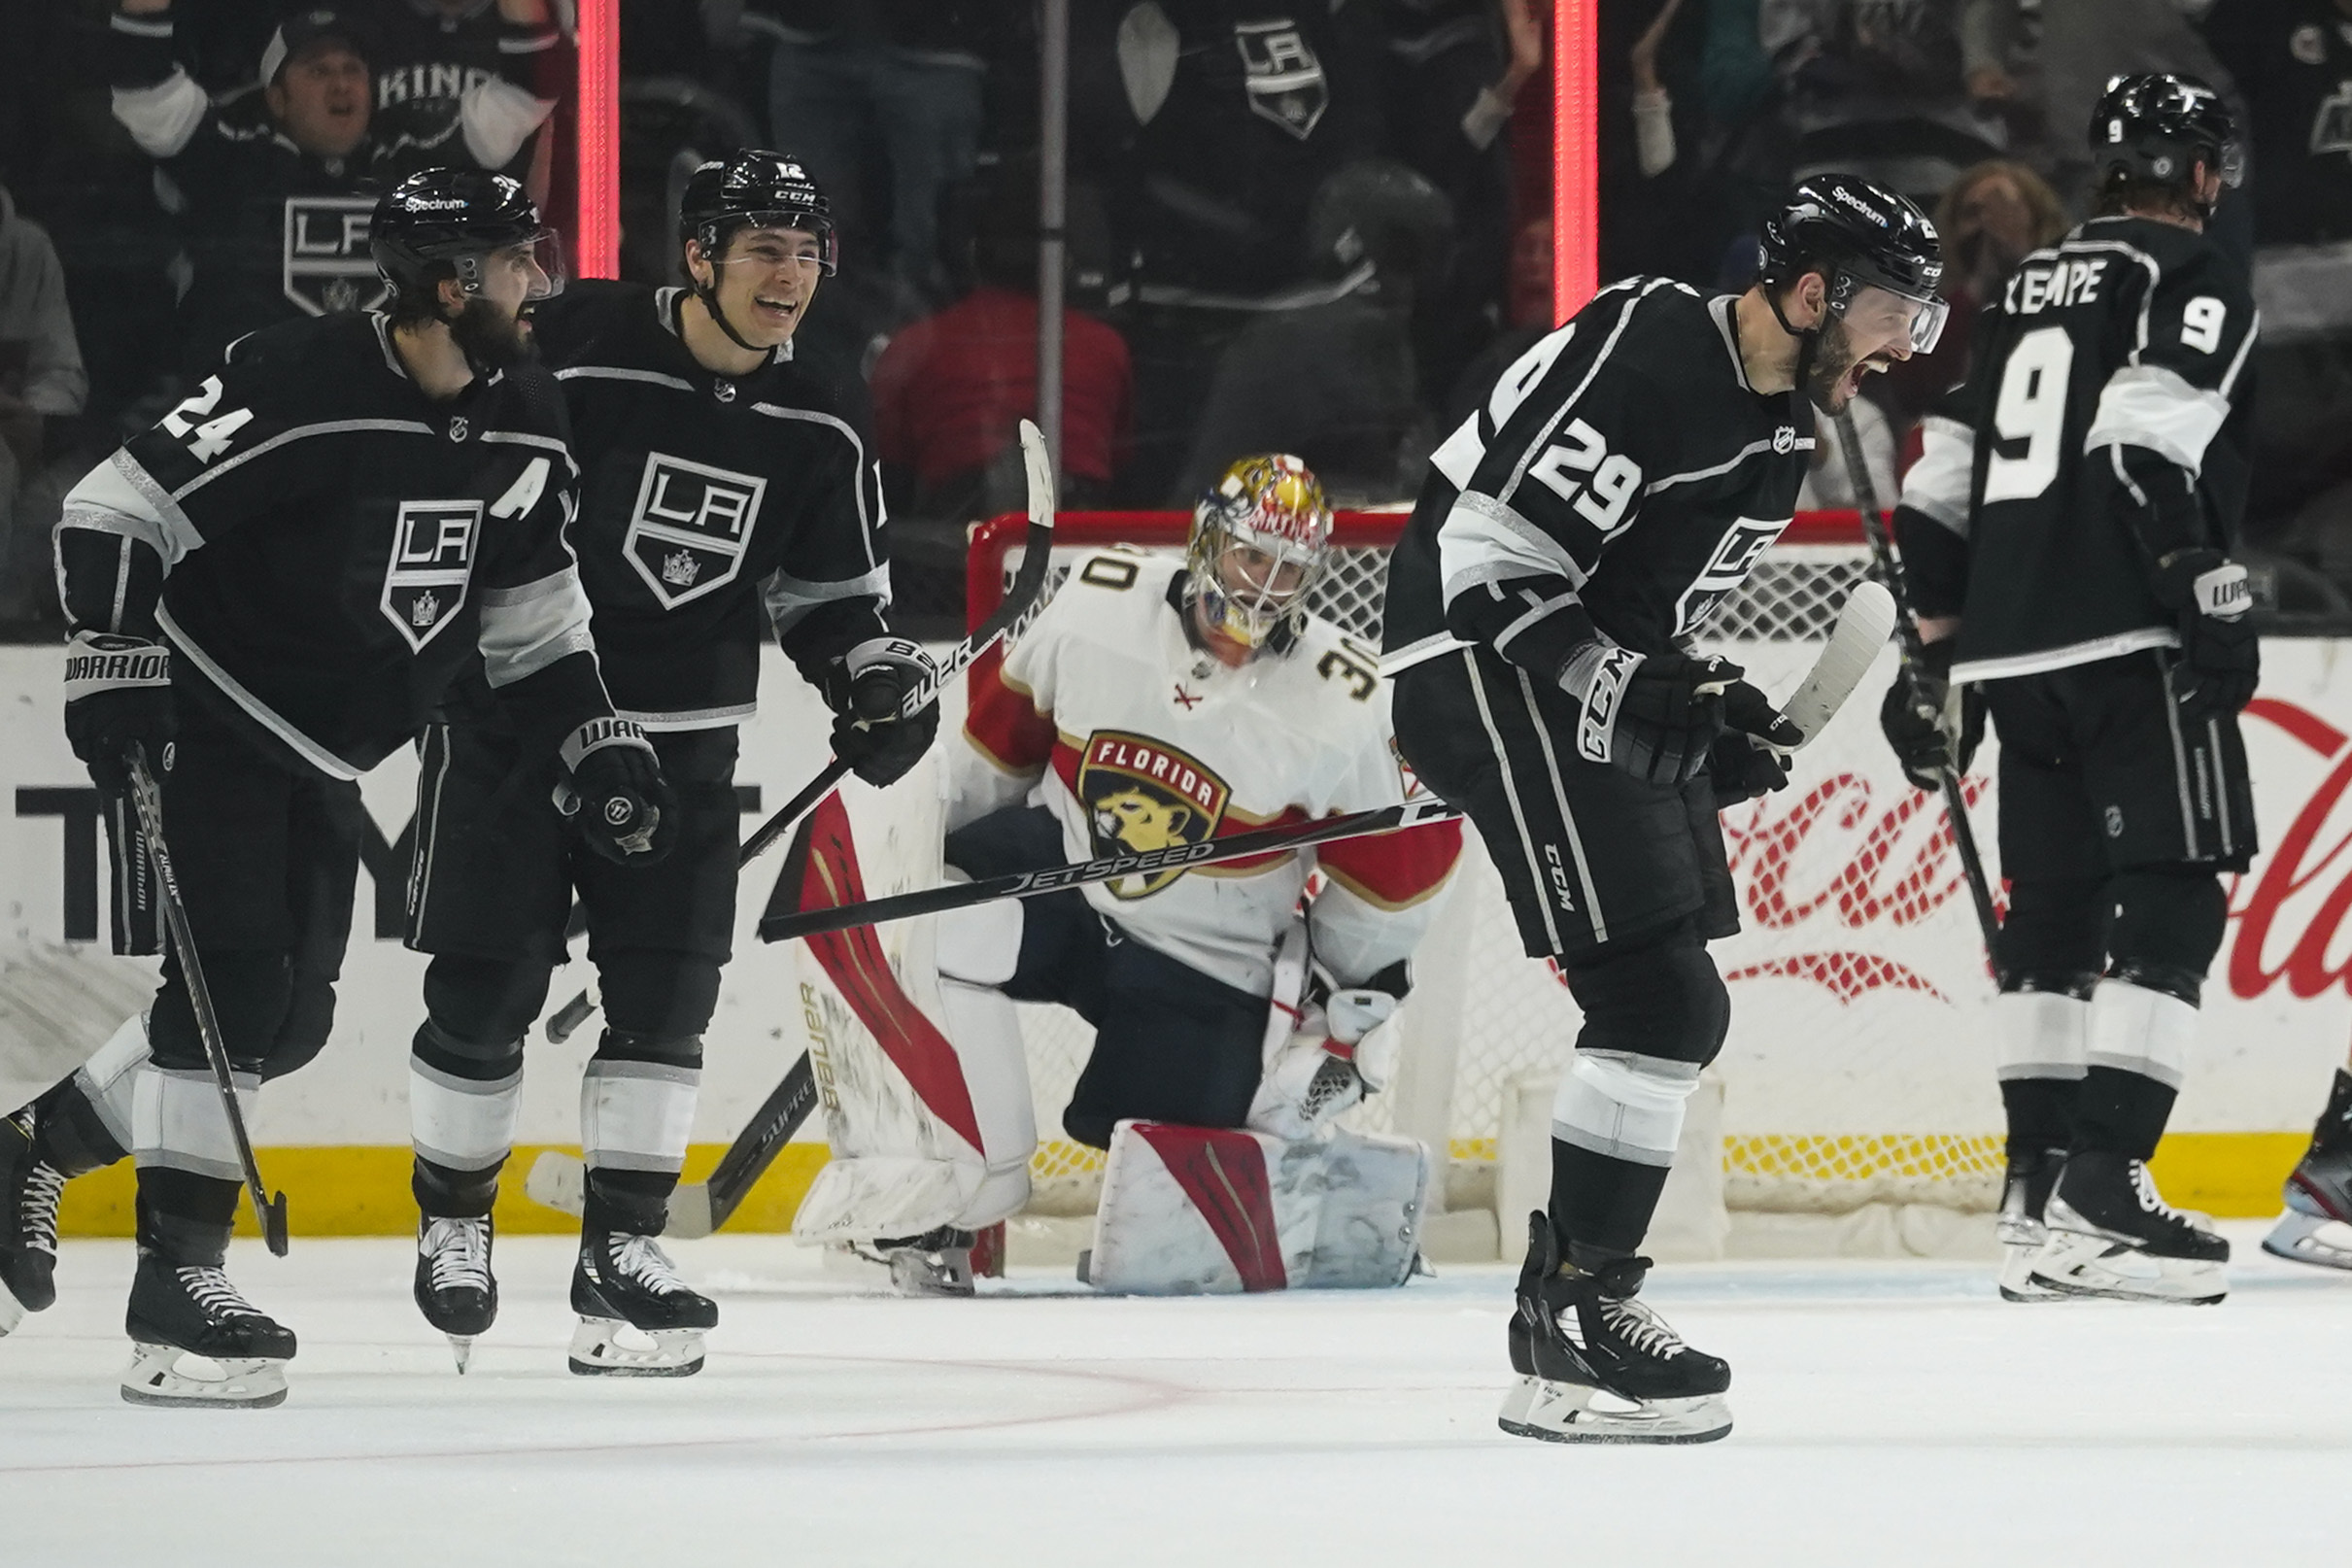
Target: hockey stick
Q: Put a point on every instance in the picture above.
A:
(149, 803)
(1906, 624)
(1019, 601)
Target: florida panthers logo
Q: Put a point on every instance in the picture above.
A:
(1141, 796)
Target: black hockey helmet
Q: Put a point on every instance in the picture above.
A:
(439, 223)
(754, 187)
(1862, 235)
(2156, 124)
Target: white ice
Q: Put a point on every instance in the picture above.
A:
(1886, 1412)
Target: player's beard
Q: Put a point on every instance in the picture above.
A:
(1832, 361)
(490, 338)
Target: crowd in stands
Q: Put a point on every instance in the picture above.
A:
(1301, 224)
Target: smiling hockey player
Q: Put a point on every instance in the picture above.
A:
(1620, 482)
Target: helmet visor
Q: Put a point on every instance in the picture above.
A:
(535, 263)
(1879, 314)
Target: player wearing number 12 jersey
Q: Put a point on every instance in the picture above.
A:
(2066, 532)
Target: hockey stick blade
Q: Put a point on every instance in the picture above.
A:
(1274, 840)
(560, 1180)
(1863, 625)
(269, 1212)
(1019, 601)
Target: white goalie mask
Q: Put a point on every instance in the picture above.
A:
(1261, 541)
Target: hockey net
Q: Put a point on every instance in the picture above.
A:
(1858, 1070)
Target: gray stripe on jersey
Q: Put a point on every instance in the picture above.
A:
(1723, 467)
(1483, 540)
(1538, 608)
(119, 497)
(1528, 455)
(298, 433)
(2146, 405)
(790, 598)
(689, 718)
(608, 372)
(303, 746)
(527, 628)
(1938, 485)
(523, 438)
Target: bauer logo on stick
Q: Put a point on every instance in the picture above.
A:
(1141, 796)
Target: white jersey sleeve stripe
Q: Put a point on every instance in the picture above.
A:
(2150, 406)
(1938, 485)
(119, 497)
(527, 628)
(1482, 540)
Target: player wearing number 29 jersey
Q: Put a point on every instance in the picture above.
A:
(2067, 532)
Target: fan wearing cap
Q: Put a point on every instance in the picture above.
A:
(1575, 535)
(726, 482)
(2066, 533)
(269, 592)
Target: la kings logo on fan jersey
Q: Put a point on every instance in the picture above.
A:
(329, 264)
(688, 528)
(432, 560)
(1282, 77)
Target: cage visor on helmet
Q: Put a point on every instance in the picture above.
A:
(1261, 541)
(1878, 252)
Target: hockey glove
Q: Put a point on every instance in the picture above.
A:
(1654, 715)
(118, 695)
(1742, 771)
(616, 794)
(2220, 657)
(866, 690)
(1931, 724)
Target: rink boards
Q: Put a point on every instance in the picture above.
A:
(336, 1133)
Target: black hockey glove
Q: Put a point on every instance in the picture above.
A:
(117, 693)
(866, 689)
(615, 793)
(1654, 715)
(1931, 727)
(2220, 657)
(1751, 758)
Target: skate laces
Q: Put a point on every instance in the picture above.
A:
(1640, 1327)
(210, 1290)
(2151, 1201)
(641, 1258)
(458, 1251)
(39, 1209)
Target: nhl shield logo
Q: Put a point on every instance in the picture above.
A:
(432, 560)
(1139, 796)
(687, 533)
(1279, 72)
(329, 265)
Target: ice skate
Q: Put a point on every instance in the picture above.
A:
(624, 1285)
(2021, 1230)
(1597, 1366)
(2317, 1226)
(455, 1290)
(2111, 1234)
(29, 1190)
(936, 1263)
(179, 1311)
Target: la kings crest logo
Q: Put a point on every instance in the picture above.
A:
(1280, 74)
(1141, 795)
(432, 560)
(329, 265)
(1735, 555)
(687, 530)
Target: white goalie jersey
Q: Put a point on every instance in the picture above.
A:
(1105, 713)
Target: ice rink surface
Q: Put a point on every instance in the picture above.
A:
(1886, 1412)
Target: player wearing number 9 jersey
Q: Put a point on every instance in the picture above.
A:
(2066, 532)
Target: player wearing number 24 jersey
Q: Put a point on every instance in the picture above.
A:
(2067, 534)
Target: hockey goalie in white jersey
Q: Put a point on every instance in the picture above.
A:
(1236, 1013)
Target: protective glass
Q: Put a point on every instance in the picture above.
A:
(1877, 313)
(538, 261)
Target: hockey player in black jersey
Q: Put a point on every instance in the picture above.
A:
(1620, 481)
(2065, 533)
(722, 475)
(269, 592)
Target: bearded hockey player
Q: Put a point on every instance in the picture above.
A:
(269, 591)
(1620, 481)
(2067, 534)
(1157, 701)
(722, 475)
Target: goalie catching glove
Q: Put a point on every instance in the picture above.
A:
(1933, 725)
(118, 695)
(2220, 657)
(1344, 1049)
(867, 690)
(613, 789)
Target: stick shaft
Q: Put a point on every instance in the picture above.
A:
(761, 1139)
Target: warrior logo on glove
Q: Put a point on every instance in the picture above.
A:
(1143, 795)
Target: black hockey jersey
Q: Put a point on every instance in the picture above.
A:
(701, 494)
(326, 546)
(462, 88)
(2100, 429)
(1623, 470)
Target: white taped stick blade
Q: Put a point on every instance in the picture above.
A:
(1864, 626)
(1038, 463)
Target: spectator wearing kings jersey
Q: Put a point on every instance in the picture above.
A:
(466, 82)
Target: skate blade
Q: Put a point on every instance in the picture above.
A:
(462, 1349)
(2075, 1264)
(915, 1273)
(156, 1379)
(2298, 1237)
(598, 1351)
(2017, 1281)
(1574, 1412)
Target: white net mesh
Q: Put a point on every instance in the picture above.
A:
(1854, 1074)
